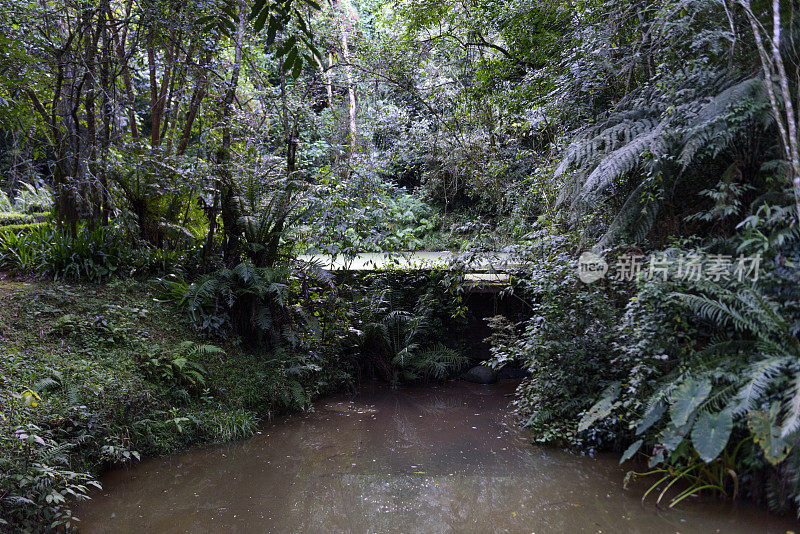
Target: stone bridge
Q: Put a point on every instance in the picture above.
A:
(485, 272)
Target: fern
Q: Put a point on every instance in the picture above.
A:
(749, 311)
(759, 375)
(710, 127)
(791, 419)
(437, 362)
(639, 139)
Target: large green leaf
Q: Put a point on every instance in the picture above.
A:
(630, 451)
(710, 434)
(653, 414)
(672, 436)
(286, 46)
(768, 435)
(686, 398)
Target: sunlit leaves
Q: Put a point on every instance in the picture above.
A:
(768, 435)
(276, 16)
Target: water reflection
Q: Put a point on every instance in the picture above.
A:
(443, 459)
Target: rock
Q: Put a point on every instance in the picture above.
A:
(480, 374)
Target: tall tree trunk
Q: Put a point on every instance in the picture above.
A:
(348, 14)
(774, 71)
(119, 47)
(105, 85)
(92, 189)
(326, 79)
(158, 92)
(228, 211)
(198, 95)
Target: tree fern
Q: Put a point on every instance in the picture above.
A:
(642, 136)
(709, 127)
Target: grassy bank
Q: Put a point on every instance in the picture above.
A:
(94, 376)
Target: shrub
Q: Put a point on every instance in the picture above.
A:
(7, 218)
(397, 323)
(17, 219)
(22, 228)
(179, 366)
(95, 255)
(250, 301)
(5, 203)
(567, 345)
(33, 198)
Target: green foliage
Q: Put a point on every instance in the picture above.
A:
(710, 434)
(95, 376)
(5, 203)
(40, 495)
(95, 255)
(686, 398)
(567, 351)
(437, 363)
(649, 119)
(398, 323)
(252, 302)
(768, 435)
(502, 341)
(367, 215)
(9, 218)
(179, 367)
(275, 16)
(33, 198)
(700, 360)
(22, 228)
(20, 251)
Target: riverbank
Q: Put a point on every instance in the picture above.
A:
(99, 376)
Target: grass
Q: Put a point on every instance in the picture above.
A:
(94, 376)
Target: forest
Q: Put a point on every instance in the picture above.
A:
(173, 174)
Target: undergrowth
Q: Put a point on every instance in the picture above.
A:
(95, 376)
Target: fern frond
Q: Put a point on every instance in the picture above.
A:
(711, 123)
(791, 418)
(625, 158)
(717, 312)
(758, 376)
(54, 381)
(245, 270)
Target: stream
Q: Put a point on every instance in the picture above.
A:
(444, 458)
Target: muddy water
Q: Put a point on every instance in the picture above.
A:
(433, 459)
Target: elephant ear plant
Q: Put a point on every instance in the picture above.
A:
(737, 395)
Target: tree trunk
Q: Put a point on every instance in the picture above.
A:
(346, 13)
(230, 224)
(119, 46)
(773, 67)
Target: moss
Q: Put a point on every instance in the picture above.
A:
(74, 376)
